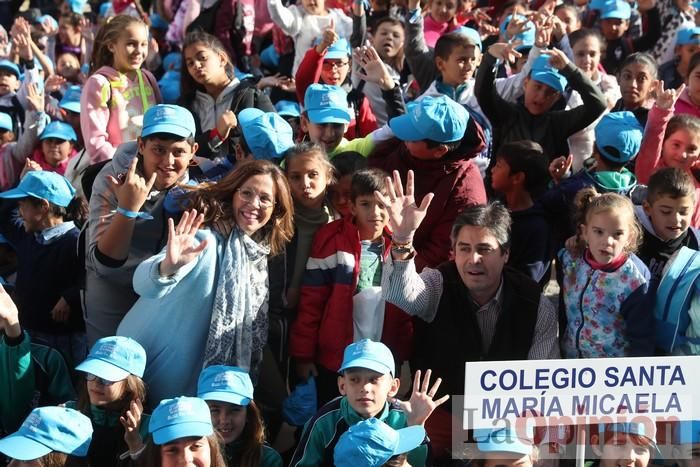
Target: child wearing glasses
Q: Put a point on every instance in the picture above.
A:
(113, 396)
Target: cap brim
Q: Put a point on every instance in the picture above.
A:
(246, 116)
(367, 364)
(336, 55)
(409, 438)
(548, 78)
(167, 128)
(404, 129)
(11, 70)
(102, 369)
(181, 430)
(57, 135)
(615, 15)
(14, 193)
(329, 116)
(224, 397)
(510, 445)
(72, 106)
(21, 448)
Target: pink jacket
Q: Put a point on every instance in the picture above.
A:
(649, 159)
(112, 106)
(432, 30)
(685, 106)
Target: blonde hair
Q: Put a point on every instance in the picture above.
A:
(588, 202)
(108, 34)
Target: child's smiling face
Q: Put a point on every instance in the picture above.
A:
(367, 391)
(228, 419)
(669, 216)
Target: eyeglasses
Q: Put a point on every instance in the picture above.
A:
(101, 381)
(330, 64)
(249, 196)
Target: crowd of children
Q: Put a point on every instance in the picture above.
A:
(226, 227)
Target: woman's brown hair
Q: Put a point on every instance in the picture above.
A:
(215, 200)
(107, 35)
(251, 440)
(135, 389)
(153, 458)
(59, 459)
(188, 86)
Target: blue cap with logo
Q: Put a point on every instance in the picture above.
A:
(48, 19)
(58, 130)
(545, 73)
(71, 99)
(288, 108)
(324, 103)
(338, 50)
(371, 442)
(114, 358)
(618, 9)
(77, 6)
(168, 118)
(10, 66)
(472, 34)
(505, 439)
(182, 417)
(267, 134)
(43, 184)
(368, 354)
(47, 430)
(618, 136)
(438, 119)
(104, 8)
(5, 121)
(226, 384)
(688, 36)
(687, 432)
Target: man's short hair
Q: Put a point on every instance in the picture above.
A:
(448, 42)
(493, 216)
(675, 183)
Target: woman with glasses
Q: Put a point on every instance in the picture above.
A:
(204, 298)
(112, 396)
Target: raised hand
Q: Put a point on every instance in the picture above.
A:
(9, 315)
(516, 25)
(181, 249)
(559, 167)
(422, 403)
(131, 421)
(29, 166)
(374, 70)
(666, 99)
(557, 58)
(35, 98)
(133, 190)
(404, 215)
(543, 34)
(328, 38)
(54, 83)
(505, 51)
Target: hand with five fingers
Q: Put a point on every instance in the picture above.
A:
(373, 68)
(405, 216)
(181, 248)
(422, 402)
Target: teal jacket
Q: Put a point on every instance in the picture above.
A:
(322, 432)
(270, 457)
(33, 375)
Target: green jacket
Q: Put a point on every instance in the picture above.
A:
(33, 375)
(270, 457)
(322, 432)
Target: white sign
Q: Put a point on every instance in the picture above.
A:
(585, 391)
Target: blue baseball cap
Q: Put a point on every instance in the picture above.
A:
(11, 67)
(104, 8)
(267, 134)
(71, 99)
(598, 4)
(43, 184)
(324, 103)
(687, 36)
(58, 130)
(169, 86)
(288, 108)
(545, 73)
(172, 62)
(368, 354)
(687, 432)
(168, 118)
(157, 22)
(472, 34)
(527, 36)
(47, 430)
(435, 118)
(48, 18)
(226, 384)
(5, 121)
(618, 136)
(371, 442)
(77, 6)
(114, 358)
(695, 5)
(269, 57)
(619, 9)
(505, 440)
(338, 50)
(182, 417)
(632, 428)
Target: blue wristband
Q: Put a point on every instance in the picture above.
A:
(133, 214)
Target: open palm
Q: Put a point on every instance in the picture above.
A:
(404, 215)
(181, 248)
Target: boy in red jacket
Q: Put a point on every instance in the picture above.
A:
(341, 299)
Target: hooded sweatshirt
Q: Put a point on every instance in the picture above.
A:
(112, 107)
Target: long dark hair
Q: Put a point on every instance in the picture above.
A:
(188, 86)
(251, 440)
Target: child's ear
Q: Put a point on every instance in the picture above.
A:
(395, 385)
(141, 144)
(304, 123)
(518, 177)
(440, 64)
(647, 208)
(341, 385)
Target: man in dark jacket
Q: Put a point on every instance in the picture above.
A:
(437, 139)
